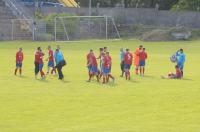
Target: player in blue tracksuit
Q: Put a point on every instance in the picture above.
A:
(180, 59)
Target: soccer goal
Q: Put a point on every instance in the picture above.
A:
(85, 27)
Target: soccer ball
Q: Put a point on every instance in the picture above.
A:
(173, 58)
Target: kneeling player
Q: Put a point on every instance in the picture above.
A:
(19, 60)
(178, 74)
(128, 59)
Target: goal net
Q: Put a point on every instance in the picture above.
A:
(85, 27)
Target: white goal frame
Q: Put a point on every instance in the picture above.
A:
(68, 17)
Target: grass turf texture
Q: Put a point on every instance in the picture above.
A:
(148, 104)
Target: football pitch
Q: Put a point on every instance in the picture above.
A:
(143, 104)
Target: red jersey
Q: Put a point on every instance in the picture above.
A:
(89, 55)
(178, 73)
(41, 58)
(142, 55)
(107, 62)
(93, 60)
(51, 55)
(19, 57)
(128, 58)
(37, 57)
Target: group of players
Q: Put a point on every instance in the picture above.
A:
(126, 60)
(105, 65)
(39, 62)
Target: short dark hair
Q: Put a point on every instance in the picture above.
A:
(105, 47)
(141, 46)
(144, 49)
(127, 49)
(181, 50)
(38, 48)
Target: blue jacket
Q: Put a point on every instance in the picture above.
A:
(180, 58)
(58, 57)
(122, 56)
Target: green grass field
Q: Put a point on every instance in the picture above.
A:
(144, 104)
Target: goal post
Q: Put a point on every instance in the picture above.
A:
(85, 27)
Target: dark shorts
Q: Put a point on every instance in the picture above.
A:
(19, 65)
(89, 68)
(142, 63)
(127, 66)
(181, 66)
(122, 66)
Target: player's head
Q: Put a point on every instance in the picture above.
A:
(127, 50)
(141, 46)
(20, 49)
(91, 51)
(38, 48)
(49, 47)
(57, 50)
(58, 47)
(105, 48)
(143, 49)
(121, 49)
(107, 53)
(181, 50)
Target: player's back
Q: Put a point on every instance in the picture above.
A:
(128, 58)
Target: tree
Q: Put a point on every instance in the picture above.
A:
(193, 5)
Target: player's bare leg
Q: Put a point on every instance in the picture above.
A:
(129, 75)
(16, 71)
(136, 70)
(110, 76)
(20, 71)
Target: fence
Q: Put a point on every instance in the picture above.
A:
(59, 29)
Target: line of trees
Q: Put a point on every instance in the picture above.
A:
(161, 4)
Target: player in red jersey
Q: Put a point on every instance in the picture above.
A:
(142, 59)
(19, 60)
(109, 59)
(51, 61)
(94, 67)
(128, 59)
(36, 62)
(89, 66)
(41, 64)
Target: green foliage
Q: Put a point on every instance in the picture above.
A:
(193, 5)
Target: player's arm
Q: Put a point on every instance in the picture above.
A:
(22, 56)
(146, 56)
(99, 57)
